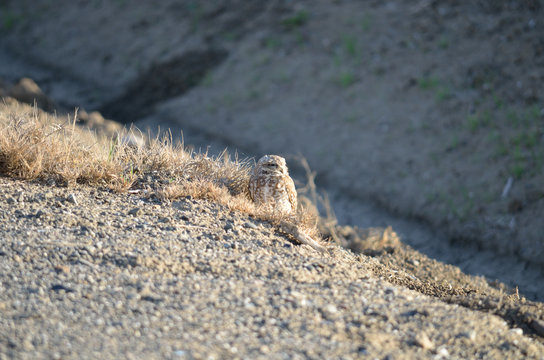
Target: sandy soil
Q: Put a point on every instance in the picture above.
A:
(88, 273)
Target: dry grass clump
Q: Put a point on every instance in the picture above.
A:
(35, 145)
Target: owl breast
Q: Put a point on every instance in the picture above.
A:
(274, 191)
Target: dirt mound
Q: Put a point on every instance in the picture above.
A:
(124, 275)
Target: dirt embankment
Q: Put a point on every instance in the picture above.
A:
(87, 272)
(429, 109)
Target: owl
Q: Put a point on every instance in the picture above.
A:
(271, 186)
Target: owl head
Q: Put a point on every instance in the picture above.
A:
(271, 165)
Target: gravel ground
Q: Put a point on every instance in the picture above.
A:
(86, 273)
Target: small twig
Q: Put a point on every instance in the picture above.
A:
(87, 263)
(507, 187)
(195, 226)
(294, 230)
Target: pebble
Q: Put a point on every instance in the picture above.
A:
(72, 198)
(517, 331)
(62, 269)
(423, 340)
(250, 225)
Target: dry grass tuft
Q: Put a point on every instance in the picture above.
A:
(35, 145)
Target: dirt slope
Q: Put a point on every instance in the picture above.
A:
(88, 273)
(427, 108)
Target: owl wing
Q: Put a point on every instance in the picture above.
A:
(291, 192)
(252, 186)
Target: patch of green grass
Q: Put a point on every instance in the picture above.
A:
(443, 93)
(518, 155)
(518, 170)
(272, 42)
(518, 167)
(473, 122)
(502, 148)
(498, 101)
(428, 83)
(454, 143)
(350, 46)
(9, 19)
(480, 119)
(346, 79)
(299, 19)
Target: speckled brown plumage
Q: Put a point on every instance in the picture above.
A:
(271, 186)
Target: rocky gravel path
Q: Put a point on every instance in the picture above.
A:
(85, 273)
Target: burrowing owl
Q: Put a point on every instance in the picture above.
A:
(271, 186)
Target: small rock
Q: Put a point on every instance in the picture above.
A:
(413, 262)
(72, 198)
(48, 195)
(180, 353)
(442, 353)
(134, 212)
(250, 225)
(84, 229)
(60, 287)
(516, 331)
(62, 269)
(423, 340)
(391, 290)
(471, 335)
(330, 312)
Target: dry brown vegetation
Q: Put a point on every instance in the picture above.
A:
(35, 145)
